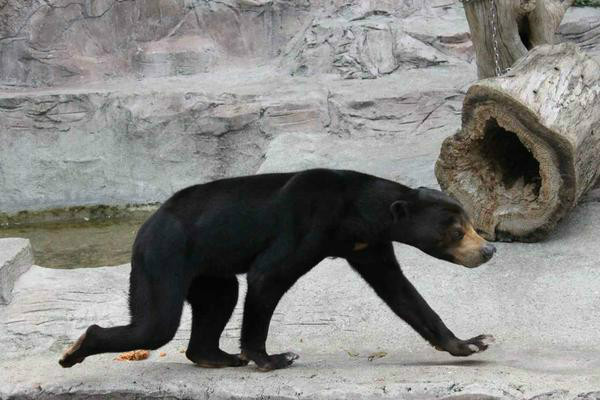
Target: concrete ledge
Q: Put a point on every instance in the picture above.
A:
(16, 257)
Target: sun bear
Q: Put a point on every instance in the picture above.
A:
(275, 228)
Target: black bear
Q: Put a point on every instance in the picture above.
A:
(275, 228)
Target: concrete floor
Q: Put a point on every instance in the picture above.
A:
(541, 302)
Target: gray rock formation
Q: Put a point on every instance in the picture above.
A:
(370, 42)
(119, 102)
(16, 257)
(139, 142)
(58, 42)
(582, 26)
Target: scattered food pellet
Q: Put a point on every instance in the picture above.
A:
(379, 354)
(163, 354)
(136, 355)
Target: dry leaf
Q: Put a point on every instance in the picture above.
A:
(379, 354)
(352, 353)
(162, 354)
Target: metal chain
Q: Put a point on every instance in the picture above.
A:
(494, 23)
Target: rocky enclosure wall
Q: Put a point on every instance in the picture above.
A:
(58, 42)
(126, 101)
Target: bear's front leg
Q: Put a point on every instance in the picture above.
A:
(379, 267)
(273, 273)
(261, 299)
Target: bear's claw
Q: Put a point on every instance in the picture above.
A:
(464, 348)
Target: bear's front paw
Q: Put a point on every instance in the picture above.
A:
(463, 348)
(266, 362)
(278, 361)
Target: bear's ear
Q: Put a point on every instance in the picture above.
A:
(399, 210)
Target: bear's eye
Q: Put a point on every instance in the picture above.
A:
(457, 234)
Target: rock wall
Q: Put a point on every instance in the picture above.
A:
(125, 101)
(58, 42)
(53, 43)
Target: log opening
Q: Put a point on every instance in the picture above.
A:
(503, 158)
(503, 173)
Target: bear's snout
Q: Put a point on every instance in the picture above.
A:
(487, 252)
(472, 250)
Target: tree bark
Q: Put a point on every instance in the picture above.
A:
(521, 25)
(529, 146)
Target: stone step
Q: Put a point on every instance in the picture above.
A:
(16, 257)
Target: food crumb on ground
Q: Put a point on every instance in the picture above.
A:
(135, 355)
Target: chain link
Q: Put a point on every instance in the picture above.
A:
(494, 23)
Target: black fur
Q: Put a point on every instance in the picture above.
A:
(274, 228)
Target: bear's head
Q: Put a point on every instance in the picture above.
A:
(438, 225)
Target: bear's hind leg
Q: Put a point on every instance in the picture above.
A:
(156, 307)
(212, 300)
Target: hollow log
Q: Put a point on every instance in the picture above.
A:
(529, 146)
(521, 25)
